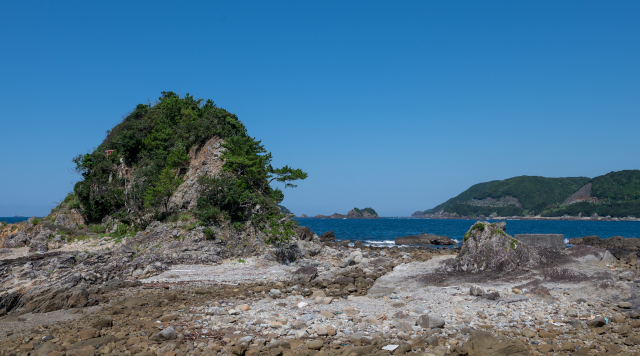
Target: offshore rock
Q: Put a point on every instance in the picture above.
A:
(328, 236)
(424, 239)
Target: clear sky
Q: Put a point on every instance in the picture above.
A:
(397, 105)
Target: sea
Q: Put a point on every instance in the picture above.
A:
(383, 231)
(13, 219)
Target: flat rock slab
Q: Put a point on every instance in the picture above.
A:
(424, 239)
(542, 240)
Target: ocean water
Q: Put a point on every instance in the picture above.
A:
(382, 232)
(13, 219)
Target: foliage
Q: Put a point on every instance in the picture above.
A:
(284, 210)
(161, 191)
(618, 195)
(617, 186)
(209, 234)
(98, 229)
(613, 209)
(365, 210)
(279, 229)
(477, 226)
(535, 194)
(149, 152)
(476, 211)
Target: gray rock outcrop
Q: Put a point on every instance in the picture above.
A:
(203, 160)
(488, 248)
(424, 239)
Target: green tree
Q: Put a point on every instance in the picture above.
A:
(160, 193)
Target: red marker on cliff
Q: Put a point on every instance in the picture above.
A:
(109, 152)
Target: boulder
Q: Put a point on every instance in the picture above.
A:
(542, 240)
(328, 236)
(304, 274)
(19, 239)
(424, 239)
(304, 233)
(488, 248)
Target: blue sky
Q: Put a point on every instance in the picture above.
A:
(394, 105)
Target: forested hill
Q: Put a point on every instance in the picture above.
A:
(615, 194)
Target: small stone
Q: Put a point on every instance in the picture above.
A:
(168, 317)
(103, 323)
(492, 296)
(244, 307)
(275, 293)
(596, 322)
(351, 311)
(618, 318)
(429, 321)
(476, 291)
(327, 314)
(516, 291)
(625, 305)
(275, 324)
(315, 344)
(167, 333)
(87, 333)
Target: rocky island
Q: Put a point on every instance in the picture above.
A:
(355, 213)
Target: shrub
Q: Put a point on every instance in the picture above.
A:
(98, 229)
(209, 234)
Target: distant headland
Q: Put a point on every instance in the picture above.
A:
(613, 196)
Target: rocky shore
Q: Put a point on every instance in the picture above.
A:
(169, 291)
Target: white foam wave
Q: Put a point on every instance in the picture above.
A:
(379, 243)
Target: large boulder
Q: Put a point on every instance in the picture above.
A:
(488, 248)
(19, 239)
(328, 236)
(304, 233)
(424, 239)
(40, 242)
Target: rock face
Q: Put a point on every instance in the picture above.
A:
(19, 239)
(424, 239)
(69, 219)
(488, 248)
(203, 160)
(543, 240)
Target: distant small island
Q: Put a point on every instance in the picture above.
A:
(355, 213)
